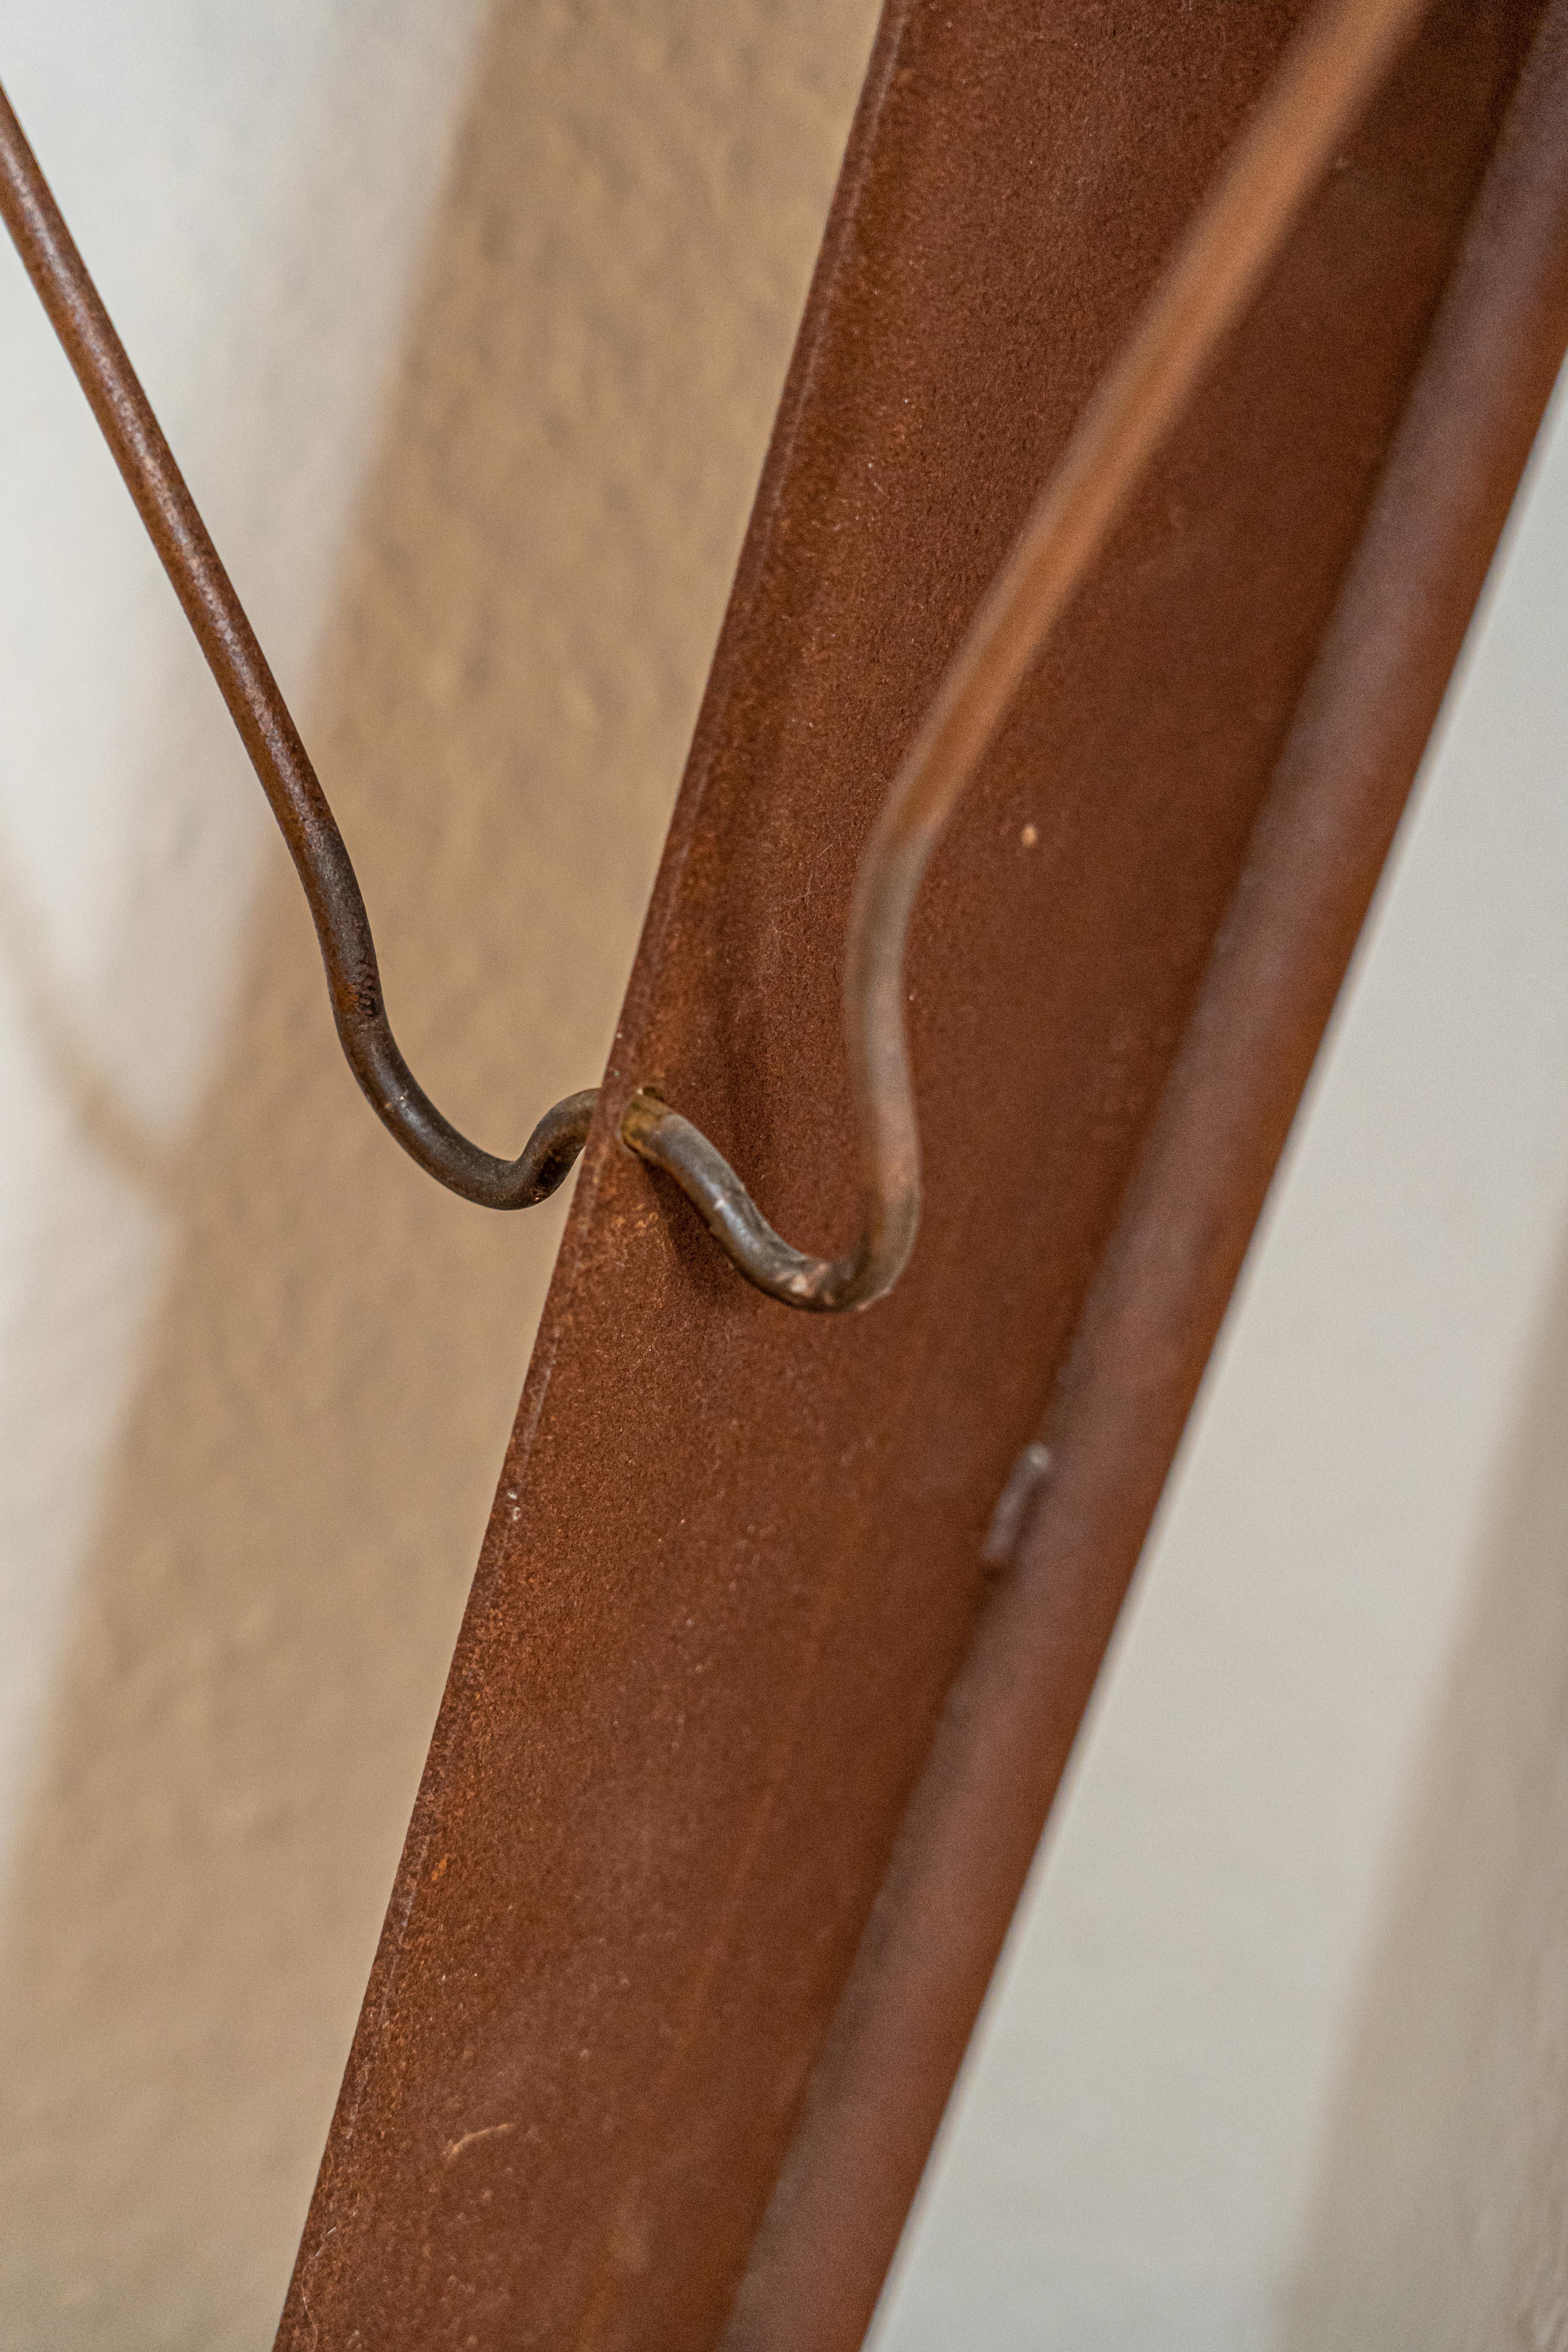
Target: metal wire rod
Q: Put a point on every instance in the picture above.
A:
(1327, 76)
(259, 711)
(1329, 73)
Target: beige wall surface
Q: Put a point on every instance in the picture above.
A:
(494, 592)
(469, 320)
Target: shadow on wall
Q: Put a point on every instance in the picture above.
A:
(1438, 2222)
(288, 1535)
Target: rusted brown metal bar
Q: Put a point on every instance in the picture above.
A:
(745, 1751)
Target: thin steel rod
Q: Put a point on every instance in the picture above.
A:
(257, 708)
(1325, 80)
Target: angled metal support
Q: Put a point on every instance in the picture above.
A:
(748, 1743)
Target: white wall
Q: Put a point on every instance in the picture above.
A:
(1278, 2055)
(469, 328)
(251, 186)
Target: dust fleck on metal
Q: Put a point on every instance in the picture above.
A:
(470, 2139)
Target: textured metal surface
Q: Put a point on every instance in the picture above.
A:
(1139, 1350)
(735, 1562)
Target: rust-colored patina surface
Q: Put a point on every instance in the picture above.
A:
(745, 1752)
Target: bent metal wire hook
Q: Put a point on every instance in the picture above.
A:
(1325, 79)
(257, 706)
(1329, 72)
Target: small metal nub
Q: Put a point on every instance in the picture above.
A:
(1327, 76)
